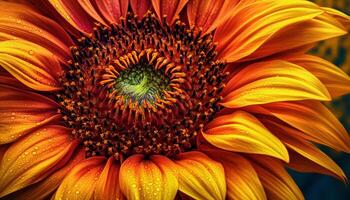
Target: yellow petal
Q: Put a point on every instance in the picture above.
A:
(341, 17)
(22, 111)
(277, 182)
(107, 187)
(336, 81)
(305, 156)
(18, 21)
(254, 24)
(31, 64)
(241, 179)
(242, 132)
(81, 181)
(169, 9)
(316, 122)
(148, 179)
(201, 177)
(34, 157)
(46, 187)
(272, 81)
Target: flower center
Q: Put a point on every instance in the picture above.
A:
(141, 87)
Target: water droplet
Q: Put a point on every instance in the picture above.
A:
(31, 52)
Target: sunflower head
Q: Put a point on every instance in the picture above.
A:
(164, 99)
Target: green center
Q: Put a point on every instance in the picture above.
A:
(140, 83)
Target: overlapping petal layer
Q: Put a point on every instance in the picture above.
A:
(34, 157)
(242, 132)
(153, 178)
(200, 177)
(22, 111)
(33, 65)
(272, 81)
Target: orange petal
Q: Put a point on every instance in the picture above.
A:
(299, 35)
(112, 10)
(277, 182)
(307, 157)
(31, 64)
(148, 179)
(140, 7)
(21, 112)
(200, 177)
(203, 14)
(107, 187)
(342, 18)
(253, 24)
(336, 81)
(272, 81)
(316, 122)
(74, 14)
(91, 10)
(81, 181)
(34, 157)
(44, 188)
(242, 132)
(18, 21)
(241, 179)
(168, 8)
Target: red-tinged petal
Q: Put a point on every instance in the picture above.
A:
(336, 81)
(46, 187)
(18, 21)
(203, 14)
(242, 132)
(241, 179)
(33, 65)
(307, 157)
(200, 177)
(21, 112)
(253, 24)
(316, 122)
(34, 157)
(272, 81)
(112, 10)
(91, 10)
(277, 182)
(74, 14)
(81, 181)
(168, 8)
(149, 179)
(140, 7)
(107, 187)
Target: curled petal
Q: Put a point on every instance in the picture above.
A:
(152, 178)
(107, 187)
(242, 132)
(272, 81)
(21, 112)
(31, 64)
(200, 177)
(34, 157)
(336, 81)
(169, 9)
(81, 181)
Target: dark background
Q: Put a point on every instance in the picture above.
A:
(322, 187)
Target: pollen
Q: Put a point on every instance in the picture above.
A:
(141, 87)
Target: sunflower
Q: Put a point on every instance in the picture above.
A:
(155, 99)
